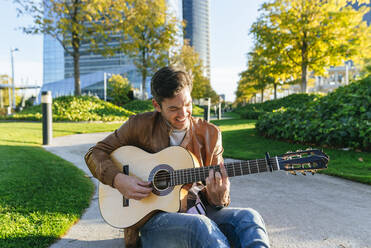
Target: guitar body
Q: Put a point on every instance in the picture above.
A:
(145, 166)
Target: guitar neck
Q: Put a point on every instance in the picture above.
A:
(240, 168)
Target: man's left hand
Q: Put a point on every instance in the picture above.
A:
(217, 187)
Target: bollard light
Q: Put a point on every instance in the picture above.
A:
(220, 111)
(46, 102)
(207, 110)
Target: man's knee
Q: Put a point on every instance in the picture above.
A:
(201, 223)
(252, 223)
(208, 233)
(248, 218)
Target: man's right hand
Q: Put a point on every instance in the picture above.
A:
(132, 187)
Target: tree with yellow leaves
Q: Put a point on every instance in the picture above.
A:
(313, 35)
(71, 23)
(188, 58)
(147, 32)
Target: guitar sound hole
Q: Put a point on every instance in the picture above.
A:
(162, 180)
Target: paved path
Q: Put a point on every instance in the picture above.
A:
(300, 211)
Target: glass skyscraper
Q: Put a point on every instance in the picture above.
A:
(197, 18)
(91, 62)
(175, 8)
(53, 60)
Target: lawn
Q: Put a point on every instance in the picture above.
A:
(241, 141)
(41, 195)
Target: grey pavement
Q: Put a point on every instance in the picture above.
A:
(299, 211)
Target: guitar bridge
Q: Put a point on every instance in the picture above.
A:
(125, 170)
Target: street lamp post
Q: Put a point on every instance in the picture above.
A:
(105, 87)
(106, 75)
(346, 73)
(207, 109)
(9, 109)
(13, 83)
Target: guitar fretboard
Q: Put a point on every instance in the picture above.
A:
(240, 168)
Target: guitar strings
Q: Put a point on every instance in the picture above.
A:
(229, 168)
(249, 167)
(253, 166)
(188, 175)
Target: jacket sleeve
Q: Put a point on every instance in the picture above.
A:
(217, 154)
(98, 157)
(216, 159)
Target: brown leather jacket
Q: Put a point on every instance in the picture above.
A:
(150, 132)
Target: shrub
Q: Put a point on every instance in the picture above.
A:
(71, 108)
(119, 90)
(340, 119)
(254, 111)
(197, 111)
(3, 111)
(139, 106)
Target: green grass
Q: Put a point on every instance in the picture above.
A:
(241, 141)
(231, 115)
(41, 195)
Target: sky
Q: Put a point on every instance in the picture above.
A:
(230, 22)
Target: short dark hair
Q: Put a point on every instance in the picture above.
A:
(168, 82)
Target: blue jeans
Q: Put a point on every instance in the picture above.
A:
(236, 227)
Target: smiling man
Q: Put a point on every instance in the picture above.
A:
(203, 220)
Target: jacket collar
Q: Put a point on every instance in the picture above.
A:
(165, 125)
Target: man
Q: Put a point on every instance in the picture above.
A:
(172, 124)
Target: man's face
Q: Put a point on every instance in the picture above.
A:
(176, 110)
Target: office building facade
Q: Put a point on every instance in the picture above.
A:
(196, 15)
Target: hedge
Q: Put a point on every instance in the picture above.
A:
(71, 108)
(340, 119)
(254, 111)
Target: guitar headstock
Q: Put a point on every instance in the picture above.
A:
(304, 161)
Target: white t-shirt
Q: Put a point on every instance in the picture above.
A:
(176, 138)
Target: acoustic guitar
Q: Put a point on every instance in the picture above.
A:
(173, 167)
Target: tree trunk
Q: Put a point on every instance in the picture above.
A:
(304, 63)
(275, 91)
(144, 76)
(304, 76)
(76, 62)
(144, 73)
(262, 93)
(1, 99)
